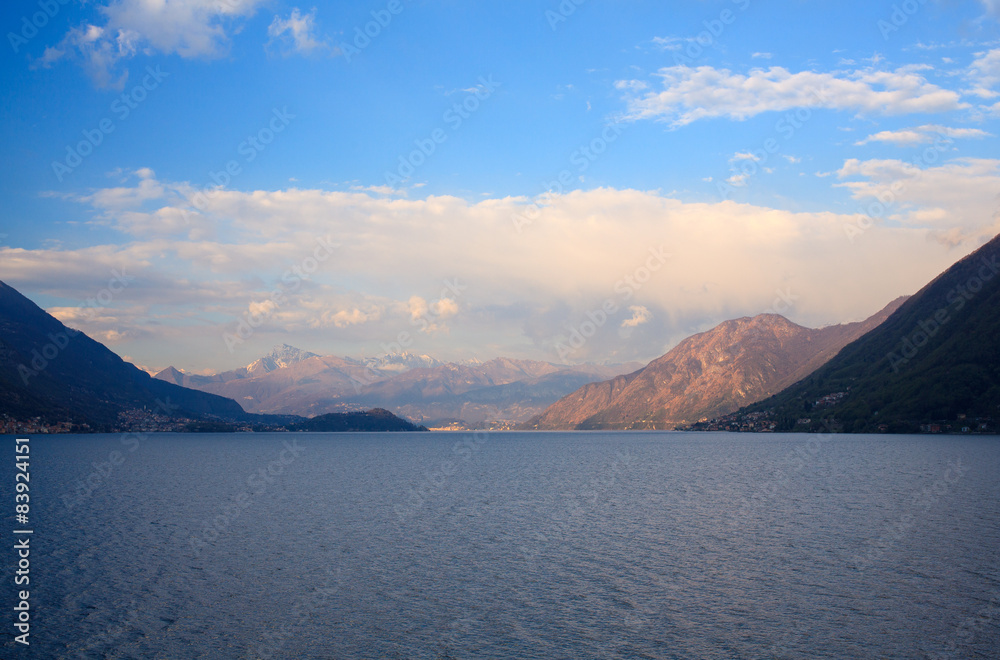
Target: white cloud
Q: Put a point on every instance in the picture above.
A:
(262, 309)
(445, 308)
(518, 291)
(50, 56)
(926, 134)
(296, 34)
(689, 94)
(188, 28)
(669, 43)
(383, 189)
(112, 337)
(738, 156)
(640, 315)
(109, 325)
(957, 198)
(430, 317)
(418, 307)
(97, 50)
(762, 56)
(985, 69)
(344, 318)
(124, 197)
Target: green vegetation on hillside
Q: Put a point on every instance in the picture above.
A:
(935, 359)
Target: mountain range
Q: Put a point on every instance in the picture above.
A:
(291, 381)
(920, 361)
(707, 375)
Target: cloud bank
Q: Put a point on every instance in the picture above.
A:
(456, 278)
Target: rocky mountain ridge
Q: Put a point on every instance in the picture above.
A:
(707, 375)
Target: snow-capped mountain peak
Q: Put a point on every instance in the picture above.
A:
(280, 357)
(400, 362)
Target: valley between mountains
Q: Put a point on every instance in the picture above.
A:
(926, 362)
(710, 374)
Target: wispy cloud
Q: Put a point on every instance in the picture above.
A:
(908, 137)
(738, 156)
(640, 315)
(343, 318)
(297, 34)
(689, 94)
(984, 73)
(188, 28)
(529, 285)
(957, 198)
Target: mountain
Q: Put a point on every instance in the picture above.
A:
(416, 386)
(400, 362)
(51, 371)
(311, 385)
(935, 359)
(707, 375)
(281, 357)
(498, 389)
(376, 419)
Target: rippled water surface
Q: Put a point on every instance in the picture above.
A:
(511, 545)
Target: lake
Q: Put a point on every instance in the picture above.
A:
(510, 545)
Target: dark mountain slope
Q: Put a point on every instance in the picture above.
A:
(48, 370)
(935, 358)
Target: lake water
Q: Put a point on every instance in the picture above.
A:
(510, 545)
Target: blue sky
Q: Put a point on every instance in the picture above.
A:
(497, 178)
